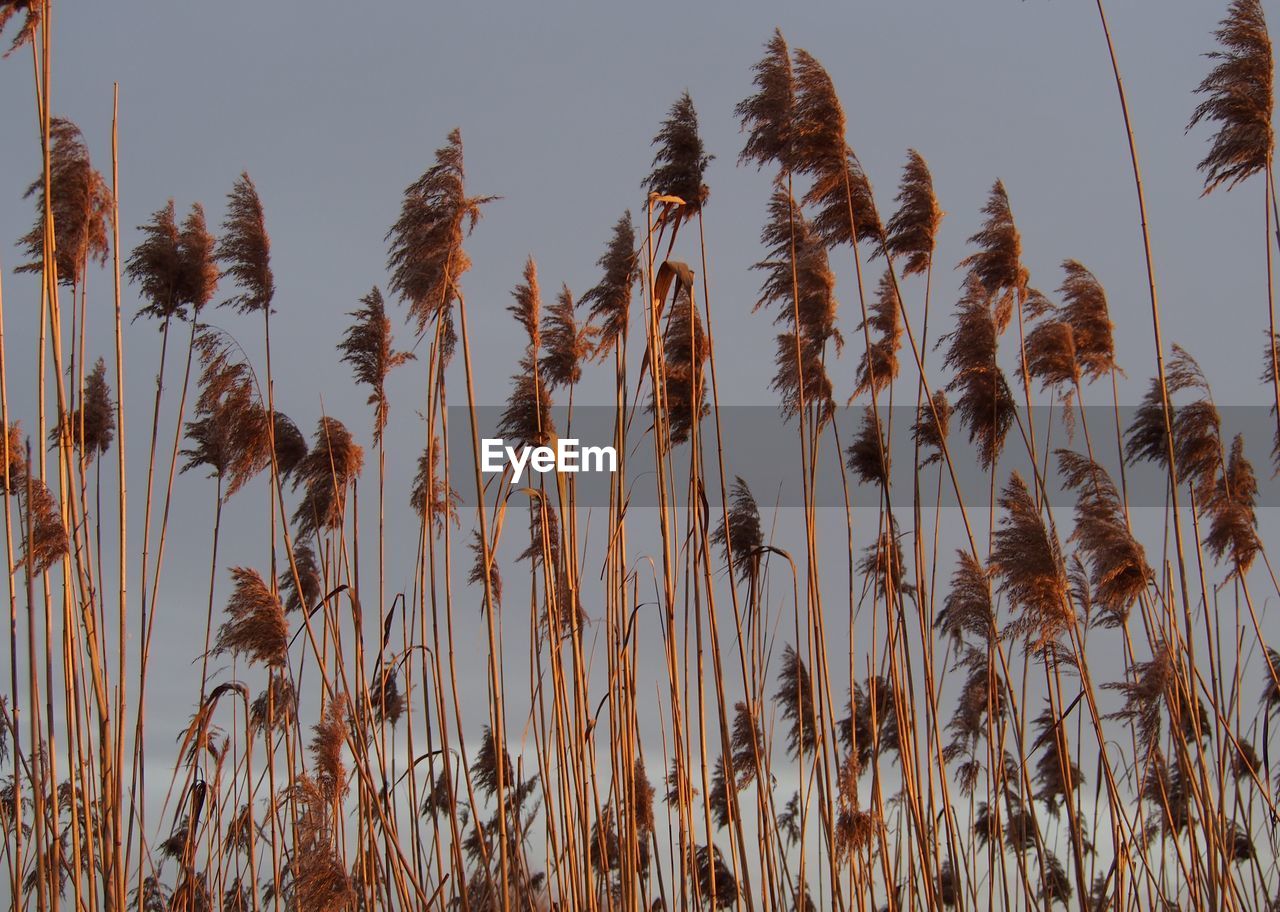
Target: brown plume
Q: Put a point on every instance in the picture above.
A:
(610, 300)
(245, 249)
(566, 343)
(1239, 90)
(685, 349)
(442, 500)
(1118, 570)
(985, 404)
(932, 423)
(156, 265)
(1026, 558)
(426, 258)
(367, 348)
(912, 231)
(92, 425)
(306, 596)
(15, 461)
(256, 627)
(742, 533)
(795, 696)
(680, 162)
(334, 462)
(997, 265)
(44, 539)
(291, 446)
(34, 15)
(767, 116)
(81, 204)
(880, 366)
(1084, 308)
(1230, 508)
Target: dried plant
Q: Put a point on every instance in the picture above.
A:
(81, 205)
(255, 627)
(1239, 98)
(477, 574)
(798, 281)
(1230, 507)
(985, 404)
(442, 504)
(1026, 558)
(967, 609)
(795, 696)
(740, 532)
(933, 420)
(156, 265)
(912, 231)
(1118, 571)
(332, 465)
(997, 264)
(291, 445)
(491, 766)
(879, 368)
(714, 877)
(768, 115)
(526, 420)
(33, 15)
(301, 597)
(276, 708)
(685, 350)
(367, 348)
(610, 300)
(231, 432)
(91, 426)
(197, 270)
(680, 163)
(868, 456)
(1084, 308)
(15, 461)
(245, 249)
(566, 343)
(44, 542)
(426, 258)
(1057, 776)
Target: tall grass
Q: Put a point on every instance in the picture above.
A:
(967, 698)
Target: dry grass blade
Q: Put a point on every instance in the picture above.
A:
(1239, 90)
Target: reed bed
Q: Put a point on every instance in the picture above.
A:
(674, 695)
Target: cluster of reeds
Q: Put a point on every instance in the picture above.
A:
(921, 722)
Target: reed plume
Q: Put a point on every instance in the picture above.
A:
(426, 258)
(302, 592)
(491, 762)
(440, 504)
(685, 349)
(840, 194)
(367, 348)
(967, 609)
(13, 480)
(933, 420)
(1026, 558)
(91, 425)
(1084, 308)
(767, 117)
(81, 205)
(255, 628)
(681, 162)
(1230, 508)
(33, 15)
(276, 707)
(291, 445)
(526, 420)
(1239, 98)
(985, 404)
(1057, 776)
(879, 368)
(740, 534)
(868, 456)
(197, 270)
(1118, 571)
(912, 231)
(332, 465)
(610, 300)
(795, 696)
(156, 265)
(245, 249)
(45, 541)
(997, 264)
(231, 430)
(566, 343)
(714, 877)
(477, 574)
(527, 306)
